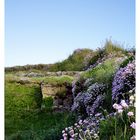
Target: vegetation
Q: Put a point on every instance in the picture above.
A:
(29, 116)
(24, 118)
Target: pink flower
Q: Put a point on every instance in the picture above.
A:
(80, 122)
(133, 125)
(133, 137)
(115, 106)
(130, 114)
(65, 135)
(120, 110)
(71, 132)
(124, 104)
(71, 139)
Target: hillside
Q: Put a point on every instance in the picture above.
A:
(88, 96)
(75, 62)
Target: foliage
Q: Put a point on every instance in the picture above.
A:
(126, 61)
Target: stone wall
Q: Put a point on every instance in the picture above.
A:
(52, 90)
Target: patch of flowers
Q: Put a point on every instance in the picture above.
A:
(89, 100)
(98, 126)
(84, 129)
(124, 81)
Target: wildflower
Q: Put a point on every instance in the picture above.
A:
(95, 135)
(130, 114)
(72, 136)
(78, 126)
(65, 138)
(120, 110)
(75, 124)
(85, 121)
(98, 114)
(71, 139)
(134, 104)
(132, 98)
(133, 137)
(80, 122)
(133, 125)
(71, 132)
(63, 131)
(115, 106)
(124, 104)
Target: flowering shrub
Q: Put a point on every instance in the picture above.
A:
(124, 81)
(87, 102)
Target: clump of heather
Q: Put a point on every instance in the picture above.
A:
(124, 81)
(87, 102)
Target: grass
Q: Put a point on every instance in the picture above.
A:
(103, 73)
(23, 118)
(53, 80)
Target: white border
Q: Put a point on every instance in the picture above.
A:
(137, 69)
(2, 69)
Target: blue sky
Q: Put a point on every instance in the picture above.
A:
(47, 31)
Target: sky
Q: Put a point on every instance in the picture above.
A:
(48, 31)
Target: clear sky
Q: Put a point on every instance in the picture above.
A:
(47, 31)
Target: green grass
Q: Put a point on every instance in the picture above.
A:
(53, 80)
(24, 119)
(104, 72)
